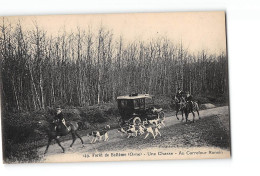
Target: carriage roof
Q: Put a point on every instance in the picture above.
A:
(132, 97)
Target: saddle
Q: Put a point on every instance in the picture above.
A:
(61, 128)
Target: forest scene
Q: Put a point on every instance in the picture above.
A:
(84, 71)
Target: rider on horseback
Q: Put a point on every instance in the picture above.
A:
(59, 119)
(188, 99)
(179, 99)
(179, 94)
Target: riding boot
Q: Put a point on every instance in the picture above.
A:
(180, 105)
(55, 128)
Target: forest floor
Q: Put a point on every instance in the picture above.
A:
(212, 130)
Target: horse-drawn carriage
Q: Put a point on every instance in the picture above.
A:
(136, 108)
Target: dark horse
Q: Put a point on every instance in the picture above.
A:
(178, 106)
(190, 107)
(52, 133)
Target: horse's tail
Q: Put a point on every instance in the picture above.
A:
(196, 106)
(198, 102)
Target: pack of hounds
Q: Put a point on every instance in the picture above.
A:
(145, 128)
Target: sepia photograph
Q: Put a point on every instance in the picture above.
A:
(114, 87)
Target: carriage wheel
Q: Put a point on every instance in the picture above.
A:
(137, 120)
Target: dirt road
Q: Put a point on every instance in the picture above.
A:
(115, 136)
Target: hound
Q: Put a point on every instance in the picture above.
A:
(141, 129)
(157, 121)
(96, 136)
(131, 131)
(160, 118)
(104, 133)
(153, 129)
(155, 110)
(156, 130)
(122, 130)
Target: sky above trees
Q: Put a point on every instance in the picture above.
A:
(195, 30)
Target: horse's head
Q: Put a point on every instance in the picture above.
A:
(43, 124)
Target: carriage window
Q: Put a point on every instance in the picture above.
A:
(123, 103)
(149, 101)
(142, 103)
(137, 104)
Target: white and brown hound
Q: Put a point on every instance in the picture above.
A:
(151, 128)
(97, 135)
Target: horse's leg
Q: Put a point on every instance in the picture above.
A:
(80, 138)
(49, 142)
(73, 139)
(177, 110)
(57, 140)
(186, 115)
(193, 116)
(182, 116)
(198, 113)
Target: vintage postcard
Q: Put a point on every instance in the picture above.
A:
(114, 87)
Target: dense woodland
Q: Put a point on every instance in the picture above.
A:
(87, 67)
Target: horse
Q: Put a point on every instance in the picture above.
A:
(190, 107)
(50, 129)
(179, 106)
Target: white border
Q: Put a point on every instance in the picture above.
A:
(243, 31)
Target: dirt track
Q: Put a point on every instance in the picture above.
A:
(115, 137)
